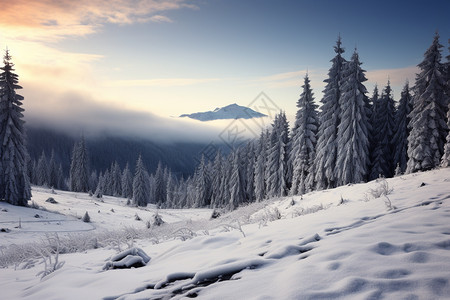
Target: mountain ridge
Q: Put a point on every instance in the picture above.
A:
(232, 111)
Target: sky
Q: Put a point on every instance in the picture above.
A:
(134, 65)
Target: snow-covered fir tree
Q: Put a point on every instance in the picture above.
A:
(277, 158)
(100, 190)
(107, 183)
(445, 162)
(42, 171)
(160, 185)
(79, 169)
(250, 161)
(216, 177)
(116, 179)
(53, 172)
(372, 120)
(259, 177)
(303, 142)
(428, 116)
(93, 181)
(236, 182)
(127, 182)
(400, 139)
(383, 128)
(353, 132)
(202, 183)
(141, 186)
(14, 181)
(329, 119)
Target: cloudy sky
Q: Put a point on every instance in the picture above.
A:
(139, 62)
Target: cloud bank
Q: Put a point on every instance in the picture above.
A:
(75, 112)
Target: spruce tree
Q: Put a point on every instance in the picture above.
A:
(428, 116)
(277, 158)
(303, 142)
(42, 171)
(400, 139)
(353, 130)
(383, 129)
(14, 182)
(445, 162)
(250, 161)
(260, 164)
(202, 184)
(53, 172)
(116, 176)
(329, 119)
(160, 185)
(141, 184)
(236, 182)
(216, 179)
(127, 183)
(79, 169)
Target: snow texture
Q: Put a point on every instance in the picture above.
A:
(341, 243)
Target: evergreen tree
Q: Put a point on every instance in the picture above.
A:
(93, 181)
(216, 179)
(107, 183)
(372, 120)
(171, 191)
(53, 171)
(445, 162)
(329, 119)
(225, 192)
(383, 132)
(14, 181)
(261, 158)
(277, 158)
(250, 172)
(236, 182)
(99, 191)
(42, 171)
(141, 186)
(303, 142)
(127, 183)
(61, 181)
(353, 131)
(160, 185)
(400, 139)
(202, 185)
(79, 169)
(116, 179)
(428, 116)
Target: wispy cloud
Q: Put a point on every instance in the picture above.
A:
(292, 78)
(50, 20)
(160, 82)
(397, 76)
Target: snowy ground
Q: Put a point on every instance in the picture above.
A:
(343, 243)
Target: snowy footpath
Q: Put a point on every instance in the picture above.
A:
(386, 239)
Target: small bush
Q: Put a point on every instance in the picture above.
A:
(382, 189)
(86, 218)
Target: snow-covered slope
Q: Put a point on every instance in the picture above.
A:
(381, 240)
(232, 111)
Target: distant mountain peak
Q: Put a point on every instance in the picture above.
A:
(232, 111)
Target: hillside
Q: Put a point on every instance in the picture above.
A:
(345, 243)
